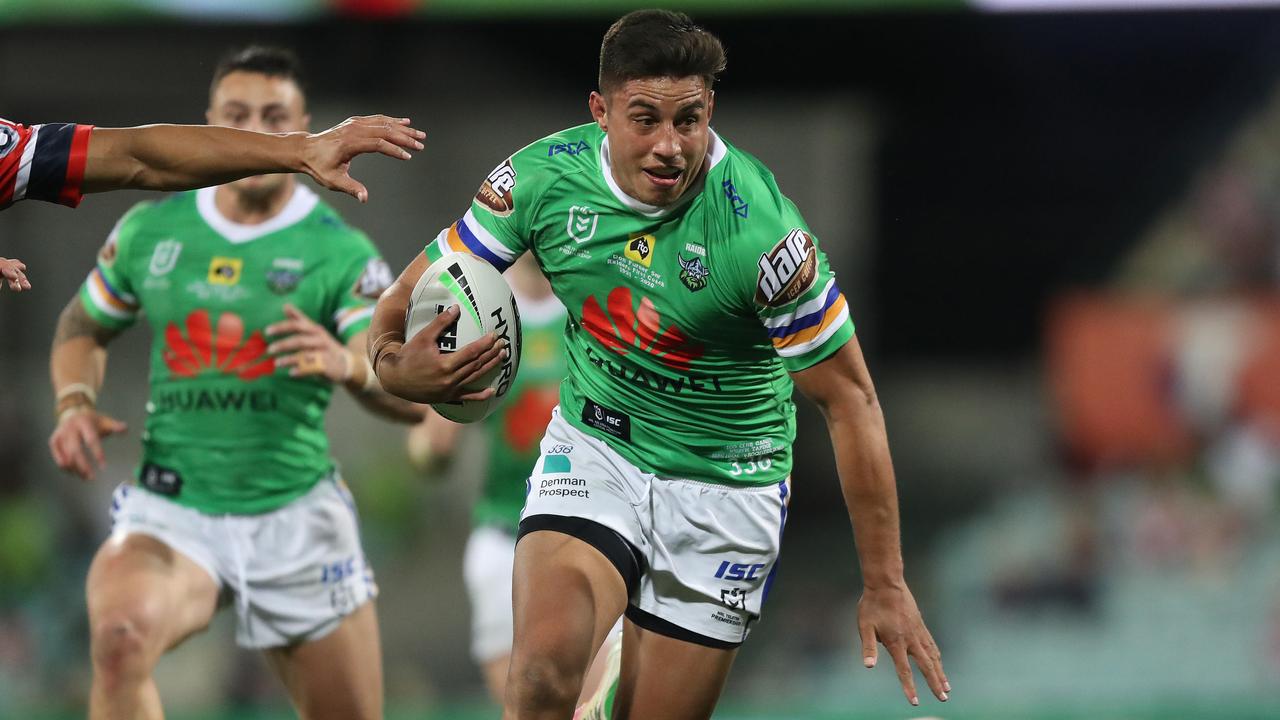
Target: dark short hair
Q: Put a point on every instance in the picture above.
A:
(263, 59)
(658, 43)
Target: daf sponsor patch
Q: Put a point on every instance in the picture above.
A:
(107, 255)
(788, 270)
(375, 278)
(495, 191)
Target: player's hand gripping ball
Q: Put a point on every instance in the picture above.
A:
(487, 306)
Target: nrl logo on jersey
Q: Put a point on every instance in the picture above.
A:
(693, 273)
(165, 257)
(788, 270)
(582, 223)
(495, 192)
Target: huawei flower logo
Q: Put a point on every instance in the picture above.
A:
(625, 328)
(204, 351)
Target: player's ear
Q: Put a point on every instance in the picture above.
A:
(711, 103)
(208, 116)
(306, 122)
(598, 109)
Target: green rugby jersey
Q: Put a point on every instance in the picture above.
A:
(515, 430)
(684, 320)
(226, 432)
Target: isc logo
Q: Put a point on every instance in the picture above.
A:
(787, 270)
(739, 571)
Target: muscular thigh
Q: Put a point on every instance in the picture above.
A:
(161, 592)
(338, 676)
(662, 677)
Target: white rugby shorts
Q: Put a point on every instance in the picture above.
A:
(293, 573)
(698, 557)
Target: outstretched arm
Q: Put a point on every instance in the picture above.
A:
(181, 157)
(887, 612)
(77, 364)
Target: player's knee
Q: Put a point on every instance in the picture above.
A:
(119, 645)
(543, 682)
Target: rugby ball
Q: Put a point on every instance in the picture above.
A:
(487, 306)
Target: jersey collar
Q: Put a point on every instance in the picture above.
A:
(299, 206)
(715, 153)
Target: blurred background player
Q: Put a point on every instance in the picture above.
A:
(511, 436)
(236, 498)
(58, 162)
(698, 300)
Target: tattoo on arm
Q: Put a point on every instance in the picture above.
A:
(75, 322)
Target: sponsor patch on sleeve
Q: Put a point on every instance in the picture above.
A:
(107, 255)
(788, 270)
(375, 278)
(495, 192)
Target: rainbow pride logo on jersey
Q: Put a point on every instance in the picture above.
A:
(624, 328)
(201, 350)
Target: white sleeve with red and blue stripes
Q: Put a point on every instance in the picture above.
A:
(42, 162)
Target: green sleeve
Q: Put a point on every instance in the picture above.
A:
(793, 289)
(497, 226)
(108, 292)
(363, 277)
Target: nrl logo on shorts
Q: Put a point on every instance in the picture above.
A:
(165, 257)
(788, 270)
(735, 598)
(693, 273)
(495, 191)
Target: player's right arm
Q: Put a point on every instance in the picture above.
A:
(105, 306)
(77, 365)
(416, 369)
(496, 230)
(182, 157)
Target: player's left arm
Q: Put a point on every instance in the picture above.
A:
(308, 349)
(181, 157)
(841, 387)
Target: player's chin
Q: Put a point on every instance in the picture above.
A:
(259, 184)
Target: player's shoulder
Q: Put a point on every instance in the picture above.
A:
(744, 186)
(328, 224)
(515, 184)
(162, 213)
(561, 152)
(545, 161)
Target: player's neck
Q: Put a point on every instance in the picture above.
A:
(252, 209)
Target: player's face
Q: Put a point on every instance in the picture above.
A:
(658, 132)
(253, 101)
